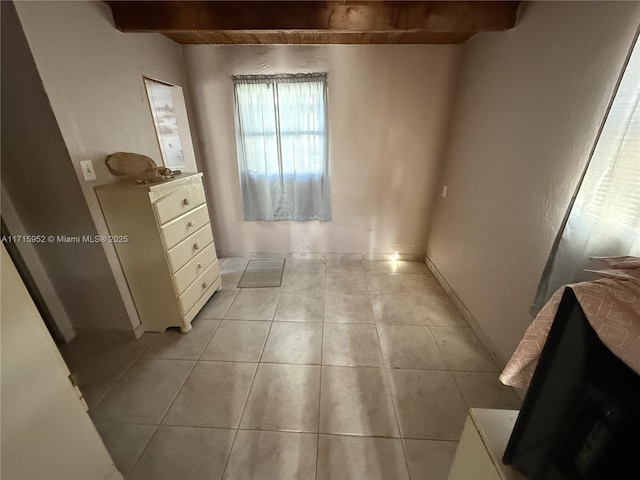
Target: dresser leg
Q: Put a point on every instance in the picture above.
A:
(185, 329)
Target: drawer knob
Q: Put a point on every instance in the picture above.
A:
(190, 224)
(200, 265)
(186, 201)
(195, 246)
(204, 284)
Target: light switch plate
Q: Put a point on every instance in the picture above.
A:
(87, 170)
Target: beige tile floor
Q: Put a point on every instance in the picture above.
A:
(352, 369)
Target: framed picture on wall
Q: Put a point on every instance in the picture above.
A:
(160, 95)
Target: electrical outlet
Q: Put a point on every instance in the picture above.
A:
(444, 191)
(87, 170)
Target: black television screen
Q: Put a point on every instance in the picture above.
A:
(580, 419)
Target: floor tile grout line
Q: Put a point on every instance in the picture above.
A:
(457, 370)
(440, 350)
(386, 362)
(393, 405)
(464, 396)
(337, 365)
(334, 434)
(193, 367)
(432, 439)
(209, 342)
(298, 322)
(151, 437)
(120, 377)
(253, 429)
(237, 429)
(246, 401)
(320, 391)
(128, 474)
(158, 425)
(235, 295)
(245, 320)
(195, 362)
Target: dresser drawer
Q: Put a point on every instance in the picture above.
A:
(198, 287)
(188, 273)
(189, 248)
(177, 230)
(176, 203)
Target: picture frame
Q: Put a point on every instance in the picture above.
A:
(165, 121)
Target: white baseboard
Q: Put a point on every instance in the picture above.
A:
(464, 311)
(68, 334)
(138, 331)
(311, 255)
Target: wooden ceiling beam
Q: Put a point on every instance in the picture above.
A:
(181, 17)
(273, 37)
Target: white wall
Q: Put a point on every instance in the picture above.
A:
(92, 75)
(528, 104)
(388, 112)
(41, 196)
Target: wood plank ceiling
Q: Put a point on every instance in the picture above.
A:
(314, 22)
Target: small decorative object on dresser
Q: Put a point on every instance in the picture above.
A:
(139, 167)
(169, 260)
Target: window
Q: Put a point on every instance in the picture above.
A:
(281, 137)
(604, 218)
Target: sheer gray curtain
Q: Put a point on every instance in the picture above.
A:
(281, 137)
(605, 217)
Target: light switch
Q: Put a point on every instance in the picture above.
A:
(444, 191)
(87, 170)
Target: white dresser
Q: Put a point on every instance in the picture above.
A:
(169, 258)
